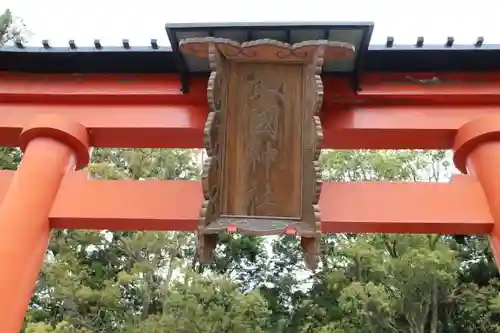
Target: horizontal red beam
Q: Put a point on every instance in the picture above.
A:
(181, 125)
(360, 207)
(458, 207)
(397, 127)
(116, 126)
(99, 89)
(377, 88)
(129, 111)
(417, 89)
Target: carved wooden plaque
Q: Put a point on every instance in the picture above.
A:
(263, 137)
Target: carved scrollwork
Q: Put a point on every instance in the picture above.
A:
(313, 102)
(268, 49)
(211, 170)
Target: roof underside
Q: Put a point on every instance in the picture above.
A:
(357, 34)
(165, 59)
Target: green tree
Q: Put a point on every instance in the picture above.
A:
(199, 304)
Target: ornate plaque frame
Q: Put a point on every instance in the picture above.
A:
(263, 139)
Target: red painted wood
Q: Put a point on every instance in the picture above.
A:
(150, 111)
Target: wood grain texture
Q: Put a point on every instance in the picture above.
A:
(263, 139)
(263, 143)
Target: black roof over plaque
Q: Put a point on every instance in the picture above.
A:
(155, 58)
(357, 34)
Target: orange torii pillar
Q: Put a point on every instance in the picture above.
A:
(477, 152)
(52, 146)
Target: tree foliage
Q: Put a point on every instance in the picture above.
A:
(10, 27)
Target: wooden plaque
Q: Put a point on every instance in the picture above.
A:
(263, 137)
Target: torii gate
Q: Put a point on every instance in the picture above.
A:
(263, 134)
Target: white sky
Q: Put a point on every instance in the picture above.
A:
(139, 21)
